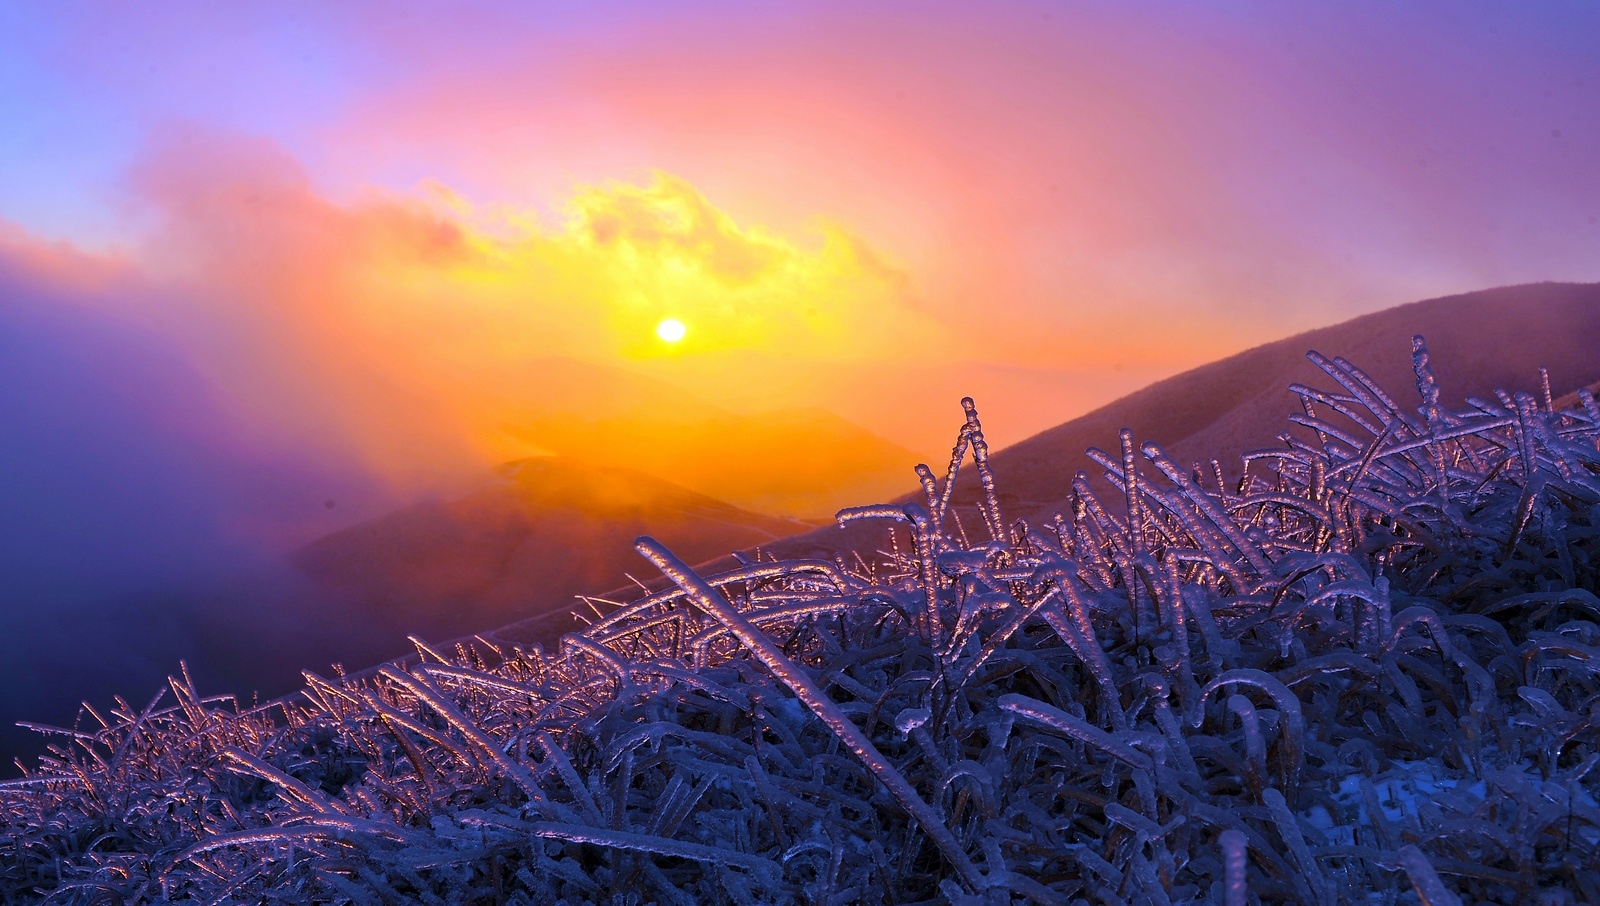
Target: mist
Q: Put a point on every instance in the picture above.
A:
(135, 529)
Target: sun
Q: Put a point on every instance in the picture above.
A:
(671, 330)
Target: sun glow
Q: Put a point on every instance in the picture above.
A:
(619, 277)
(671, 330)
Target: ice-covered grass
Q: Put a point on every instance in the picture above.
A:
(1364, 668)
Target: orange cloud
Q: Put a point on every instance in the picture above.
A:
(669, 219)
(413, 330)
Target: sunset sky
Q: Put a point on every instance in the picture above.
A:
(349, 236)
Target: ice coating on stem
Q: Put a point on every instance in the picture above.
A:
(425, 692)
(646, 843)
(1235, 859)
(1130, 482)
(980, 461)
(1289, 831)
(1427, 384)
(1046, 715)
(1283, 698)
(1430, 890)
(249, 764)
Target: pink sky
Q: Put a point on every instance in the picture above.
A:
(358, 218)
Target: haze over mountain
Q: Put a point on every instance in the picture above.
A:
(805, 462)
(145, 520)
(537, 534)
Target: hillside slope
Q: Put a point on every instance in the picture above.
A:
(1479, 341)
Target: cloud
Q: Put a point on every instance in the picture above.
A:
(400, 329)
(669, 220)
(1051, 180)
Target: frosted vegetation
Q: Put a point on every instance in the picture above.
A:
(1364, 669)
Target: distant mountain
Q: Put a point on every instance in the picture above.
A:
(798, 462)
(1480, 341)
(542, 531)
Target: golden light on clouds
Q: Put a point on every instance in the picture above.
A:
(414, 318)
(645, 249)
